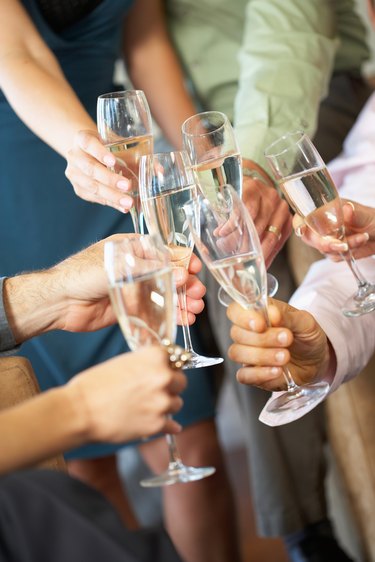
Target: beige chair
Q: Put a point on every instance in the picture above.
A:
(351, 430)
(18, 383)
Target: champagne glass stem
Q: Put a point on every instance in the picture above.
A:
(174, 455)
(135, 219)
(291, 385)
(181, 293)
(349, 258)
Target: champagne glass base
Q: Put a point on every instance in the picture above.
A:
(197, 361)
(178, 473)
(361, 303)
(272, 288)
(302, 398)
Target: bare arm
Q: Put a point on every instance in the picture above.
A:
(154, 67)
(125, 398)
(26, 60)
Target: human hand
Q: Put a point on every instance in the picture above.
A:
(294, 339)
(359, 223)
(128, 397)
(79, 288)
(371, 11)
(268, 210)
(88, 170)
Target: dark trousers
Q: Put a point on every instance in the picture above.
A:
(47, 516)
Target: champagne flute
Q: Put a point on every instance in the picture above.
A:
(143, 297)
(228, 243)
(125, 127)
(210, 141)
(311, 192)
(166, 183)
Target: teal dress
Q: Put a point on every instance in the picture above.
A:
(43, 221)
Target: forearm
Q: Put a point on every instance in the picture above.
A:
(32, 304)
(40, 428)
(50, 108)
(151, 61)
(33, 82)
(286, 60)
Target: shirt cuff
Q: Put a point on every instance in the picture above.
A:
(7, 341)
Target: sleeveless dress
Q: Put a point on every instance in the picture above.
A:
(43, 221)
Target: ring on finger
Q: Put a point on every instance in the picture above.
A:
(275, 230)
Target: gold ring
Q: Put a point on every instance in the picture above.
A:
(274, 230)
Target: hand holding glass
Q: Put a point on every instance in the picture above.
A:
(310, 190)
(143, 296)
(125, 127)
(228, 243)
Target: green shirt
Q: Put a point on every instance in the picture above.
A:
(266, 63)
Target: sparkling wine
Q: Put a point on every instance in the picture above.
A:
(243, 277)
(214, 173)
(145, 308)
(164, 215)
(128, 153)
(314, 196)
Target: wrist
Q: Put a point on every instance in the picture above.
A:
(31, 305)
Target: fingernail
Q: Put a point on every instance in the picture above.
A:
(109, 160)
(123, 185)
(366, 236)
(275, 371)
(282, 337)
(252, 324)
(339, 246)
(126, 202)
(178, 427)
(280, 356)
(299, 231)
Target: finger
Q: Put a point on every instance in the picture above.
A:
(195, 264)
(272, 252)
(180, 276)
(178, 383)
(281, 221)
(272, 338)
(247, 319)
(90, 189)
(171, 426)
(249, 355)
(195, 288)
(268, 378)
(270, 201)
(251, 195)
(89, 142)
(195, 306)
(93, 168)
(188, 317)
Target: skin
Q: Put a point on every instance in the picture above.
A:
(294, 339)
(266, 208)
(359, 223)
(73, 295)
(125, 398)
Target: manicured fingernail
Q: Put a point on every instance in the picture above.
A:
(282, 337)
(339, 246)
(123, 185)
(299, 231)
(252, 324)
(109, 160)
(280, 356)
(275, 371)
(126, 202)
(366, 236)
